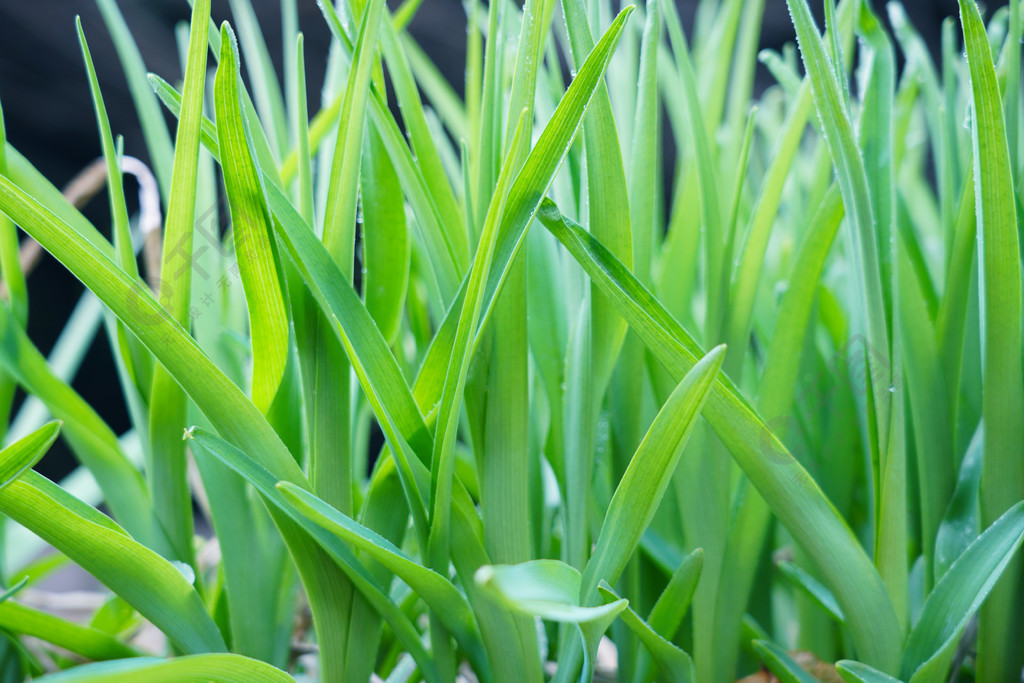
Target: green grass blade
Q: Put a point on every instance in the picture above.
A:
(10, 263)
(151, 584)
(952, 317)
(790, 492)
(510, 216)
(855, 672)
(115, 186)
(960, 592)
(609, 216)
(433, 588)
(877, 128)
(339, 222)
(25, 453)
(1002, 474)
(265, 85)
(154, 128)
(669, 610)
(92, 441)
(218, 668)
(706, 172)
(644, 483)
(424, 147)
(755, 246)
(386, 240)
(25, 175)
(961, 521)
(303, 155)
(813, 588)
(266, 483)
(166, 469)
(839, 134)
(675, 665)
(550, 589)
(777, 660)
(929, 404)
(268, 320)
(81, 640)
(372, 360)
(775, 397)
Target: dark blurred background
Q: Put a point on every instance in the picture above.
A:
(49, 115)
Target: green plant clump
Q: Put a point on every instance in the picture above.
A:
(537, 317)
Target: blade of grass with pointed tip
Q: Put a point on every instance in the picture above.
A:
(339, 222)
(877, 129)
(1002, 475)
(268, 320)
(303, 156)
(263, 78)
(115, 186)
(644, 482)
(744, 67)
(215, 668)
(151, 584)
(641, 488)
(960, 592)
(788, 489)
(676, 666)
(669, 610)
(22, 455)
(154, 128)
